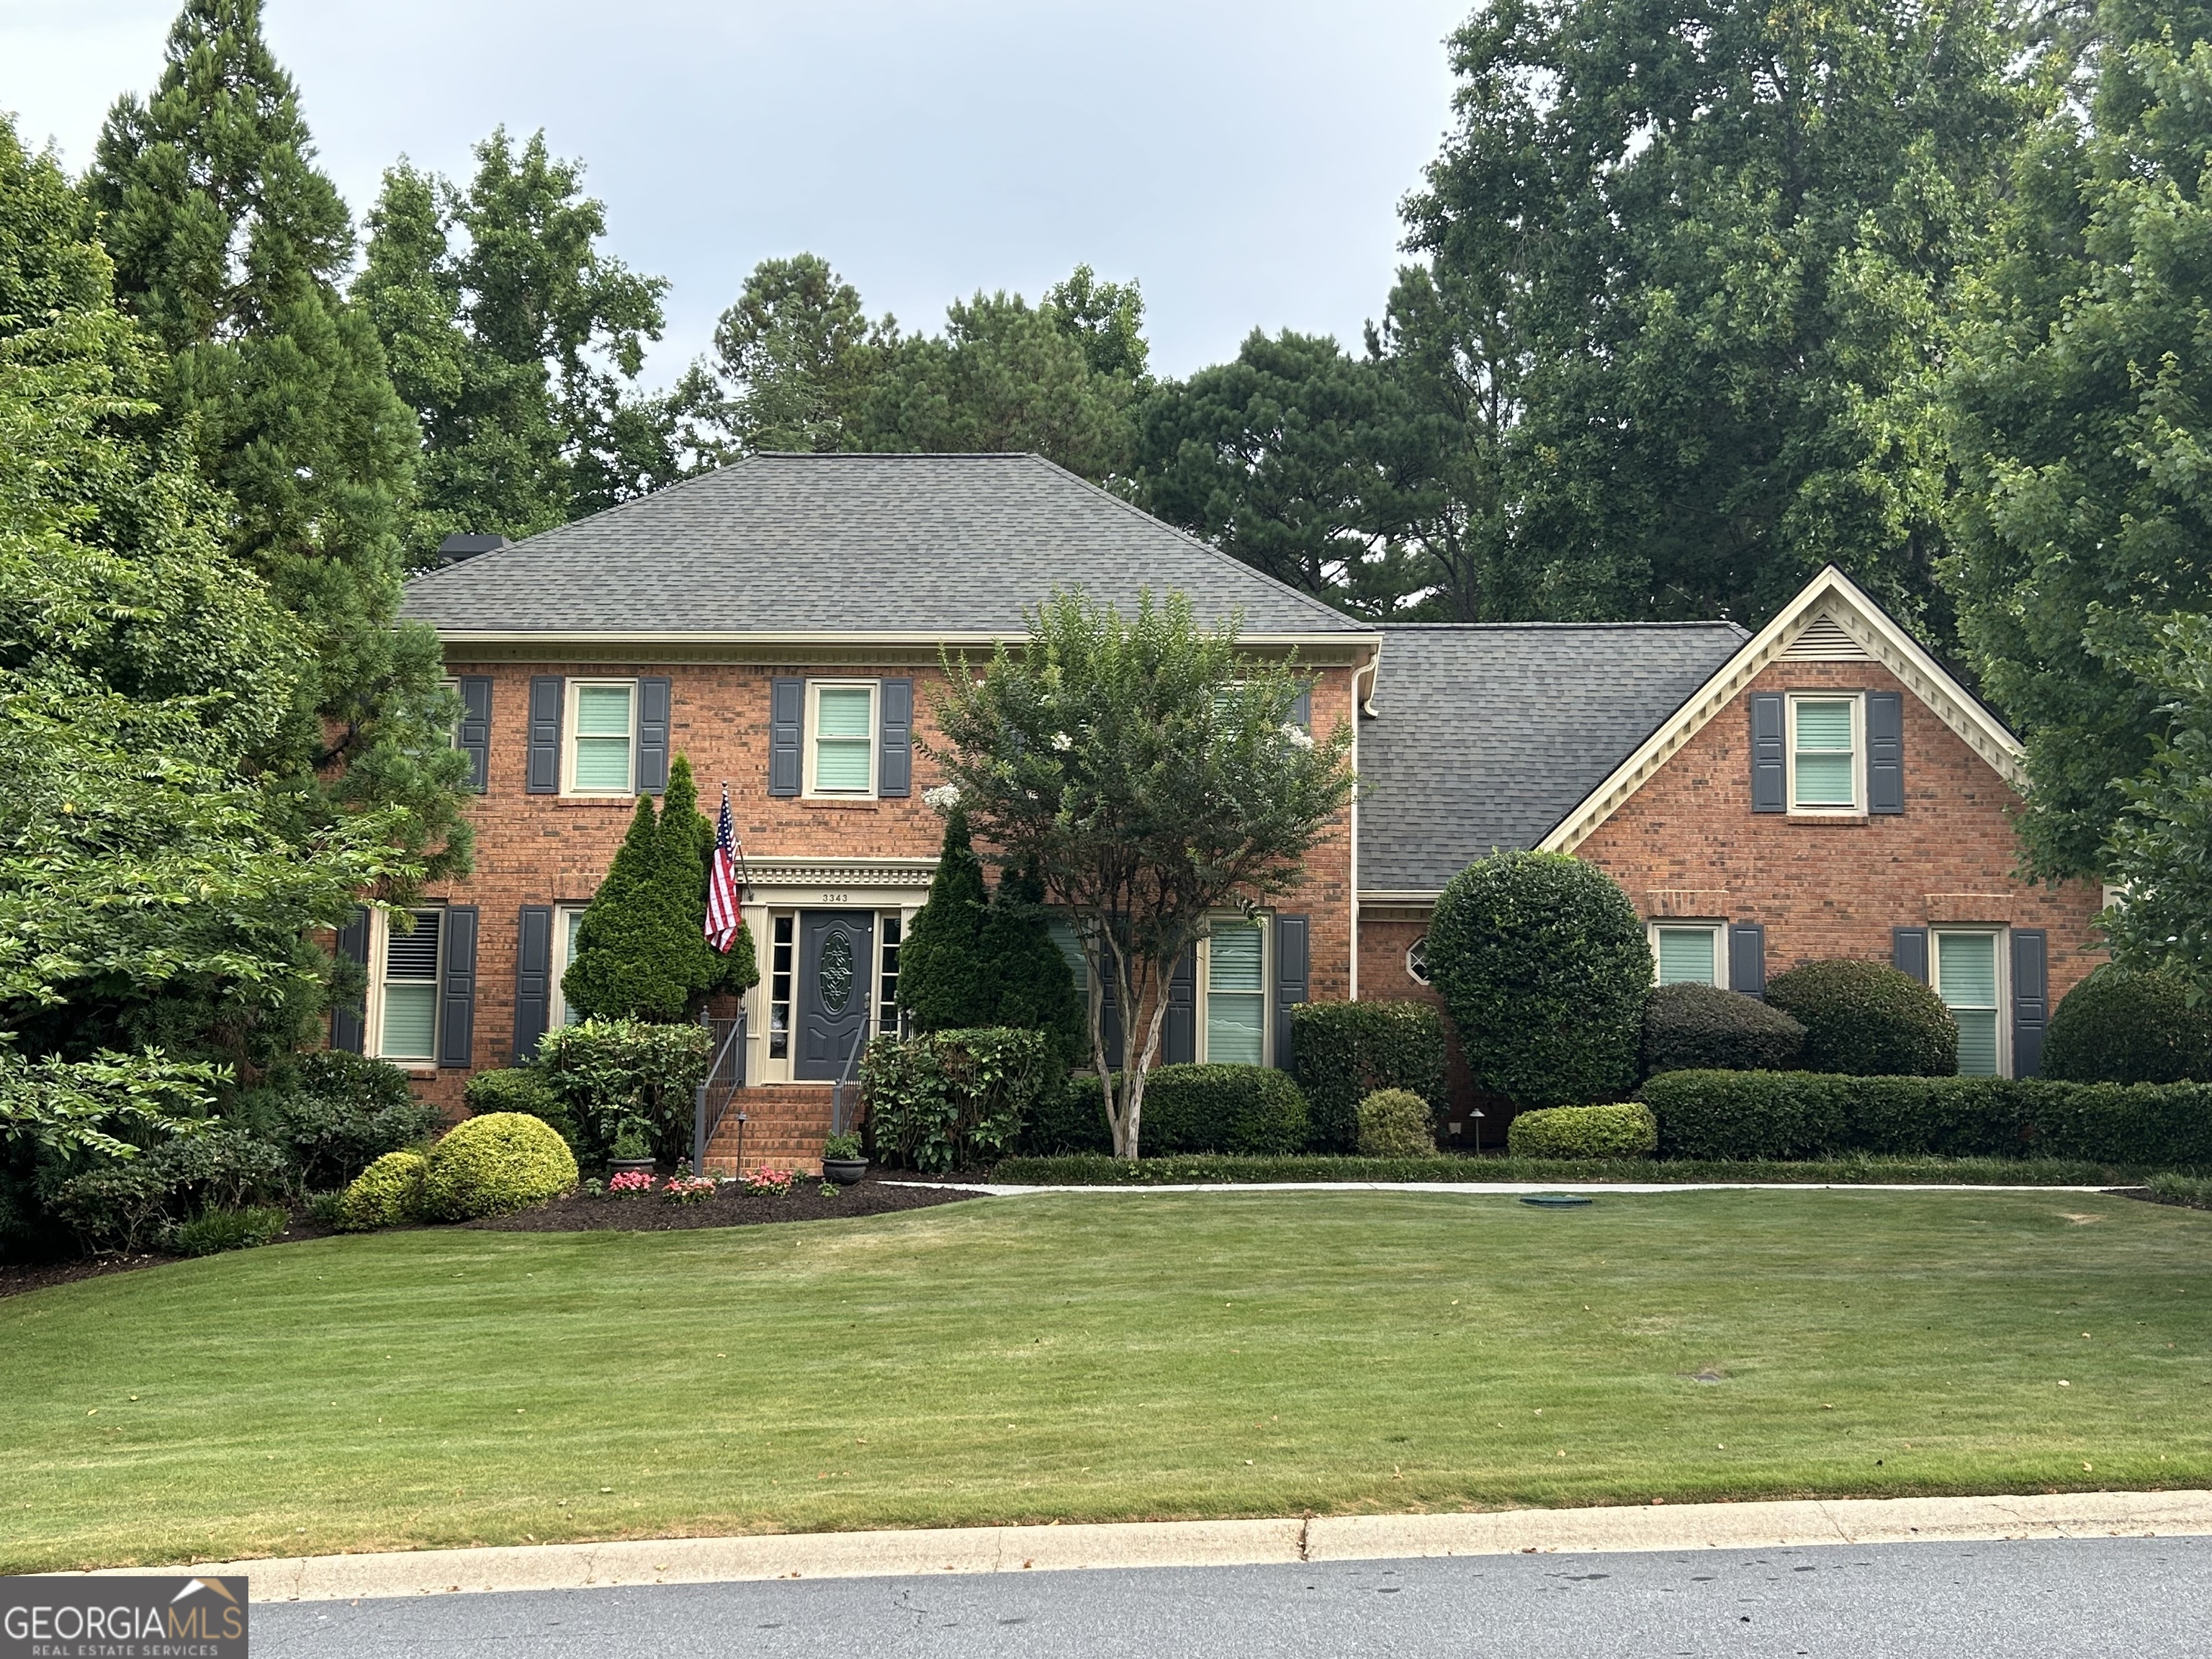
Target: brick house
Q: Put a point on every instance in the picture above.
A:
(1822, 788)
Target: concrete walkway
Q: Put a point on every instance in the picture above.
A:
(1223, 1543)
(1510, 1189)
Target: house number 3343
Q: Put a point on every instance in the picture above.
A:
(831, 898)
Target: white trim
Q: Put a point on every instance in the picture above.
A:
(557, 1012)
(1689, 924)
(372, 1033)
(1421, 975)
(1201, 990)
(1856, 807)
(2001, 948)
(569, 691)
(811, 752)
(1833, 594)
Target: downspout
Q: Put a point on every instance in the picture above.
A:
(1359, 704)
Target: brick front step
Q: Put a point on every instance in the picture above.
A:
(786, 1124)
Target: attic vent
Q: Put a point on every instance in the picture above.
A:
(1824, 640)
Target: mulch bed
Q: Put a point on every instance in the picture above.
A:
(729, 1207)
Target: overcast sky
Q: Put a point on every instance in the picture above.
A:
(1243, 159)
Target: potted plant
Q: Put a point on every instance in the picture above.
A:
(842, 1160)
(632, 1152)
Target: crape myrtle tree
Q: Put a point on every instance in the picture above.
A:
(1148, 773)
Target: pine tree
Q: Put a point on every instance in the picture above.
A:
(228, 243)
(1032, 986)
(945, 982)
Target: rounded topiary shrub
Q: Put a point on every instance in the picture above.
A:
(1867, 1020)
(1583, 1132)
(494, 1165)
(2119, 1027)
(521, 1088)
(1396, 1123)
(1544, 969)
(386, 1192)
(1346, 1051)
(1702, 1028)
(1222, 1108)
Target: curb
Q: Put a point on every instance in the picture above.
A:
(1784, 1525)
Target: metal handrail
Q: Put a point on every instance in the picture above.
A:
(703, 1125)
(837, 1094)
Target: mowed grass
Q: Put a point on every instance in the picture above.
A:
(1104, 1356)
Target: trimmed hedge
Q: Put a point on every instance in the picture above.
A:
(1867, 1020)
(2119, 1027)
(1396, 1123)
(386, 1192)
(1070, 1118)
(1584, 1132)
(1346, 1051)
(1096, 1170)
(606, 1072)
(1798, 1114)
(495, 1164)
(948, 1100)
(1702, 1028)
(1223, 1108)
(524, 1089)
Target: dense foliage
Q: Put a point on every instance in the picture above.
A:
(1216, 1109)
(1396, 1123)
(2119, 1027)
(1866, 1018)
(605, 1072)
(526, 1089)
(494, 1164)
(1584, 1132)
(1346, 1051)
(1543, 966)
(1691, 1027)
(946, 981)
(948, 1100)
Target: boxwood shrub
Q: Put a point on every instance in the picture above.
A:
(1222, 1108)
(1867, 1020)
(1346, 1051)
(1396, 1123)
(1800, 1115)
(1584, 1132)
(2119, 1027)
(1068, 1118)
(1701, 1027)
(524, 1089)
(495, 1164)
(386, 1192)
(1543, 965)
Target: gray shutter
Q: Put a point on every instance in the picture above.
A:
(456, 989)
(1290, 970)
(533, 980)
(787, 717)
(1748, 958)
(475, 736)
(1109, 1024)
(2031, 999)
(1885, 718)
(547, 692)
(652, 700)
(346, 1019)
(1770, 773)
(1179, 1031)
(1908, 950)
(1301, 710)
(895, 766)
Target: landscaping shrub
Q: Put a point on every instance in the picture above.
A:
(945, 983)
(523, 1089)
(1032, 987)
(128, 1205)
(1543, 965)
(348, 1112)
(494, 1165)
(1702, 1028)
(1070, 1118)
(1223, 1108)
(2119, 1027)
(603, 1071)
(1867, 1020)
(1346, 1051)
(218, 1231)
(386, 1192)
(946, 1100)
(1797, 1115)
(1584, 1131)
(1396, 1123)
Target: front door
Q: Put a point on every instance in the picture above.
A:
(837, 961)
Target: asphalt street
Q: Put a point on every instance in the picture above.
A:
(2128, 1598)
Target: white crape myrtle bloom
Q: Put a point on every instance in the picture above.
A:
(1063, 742)
(942, 799)
(1298, 735)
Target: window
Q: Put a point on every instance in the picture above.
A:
(1689, 953)
(1965, 969)
(888, 931)
(781, 953)
(403, 987)
(567, 919)
(1824, 754)
(841, 757)
(1236, 961)
(603, 741)
(1417, 960)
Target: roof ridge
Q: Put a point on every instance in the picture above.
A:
(1501, 627)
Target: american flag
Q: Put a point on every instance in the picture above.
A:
(722, 920)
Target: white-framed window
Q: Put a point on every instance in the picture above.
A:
(1965, 968)
(1690, 952)
(1417, 960)
(404, 970)
(841, 739)
(1827, 753)
(783, 952)
(1232, 993)
(602, 747)
(890, 932)
(567, 919)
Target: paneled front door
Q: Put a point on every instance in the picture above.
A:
(836, 962)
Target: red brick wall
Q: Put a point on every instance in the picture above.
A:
(540, 849)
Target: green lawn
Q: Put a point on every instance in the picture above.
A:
(1097, 1357)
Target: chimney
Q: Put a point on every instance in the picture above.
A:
(454, 549)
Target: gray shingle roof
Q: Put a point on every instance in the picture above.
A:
(851, 543)
(1486, 736)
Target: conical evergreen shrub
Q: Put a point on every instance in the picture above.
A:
(1032, 986)
(631, 955)
(945, 983)
(687, 855)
